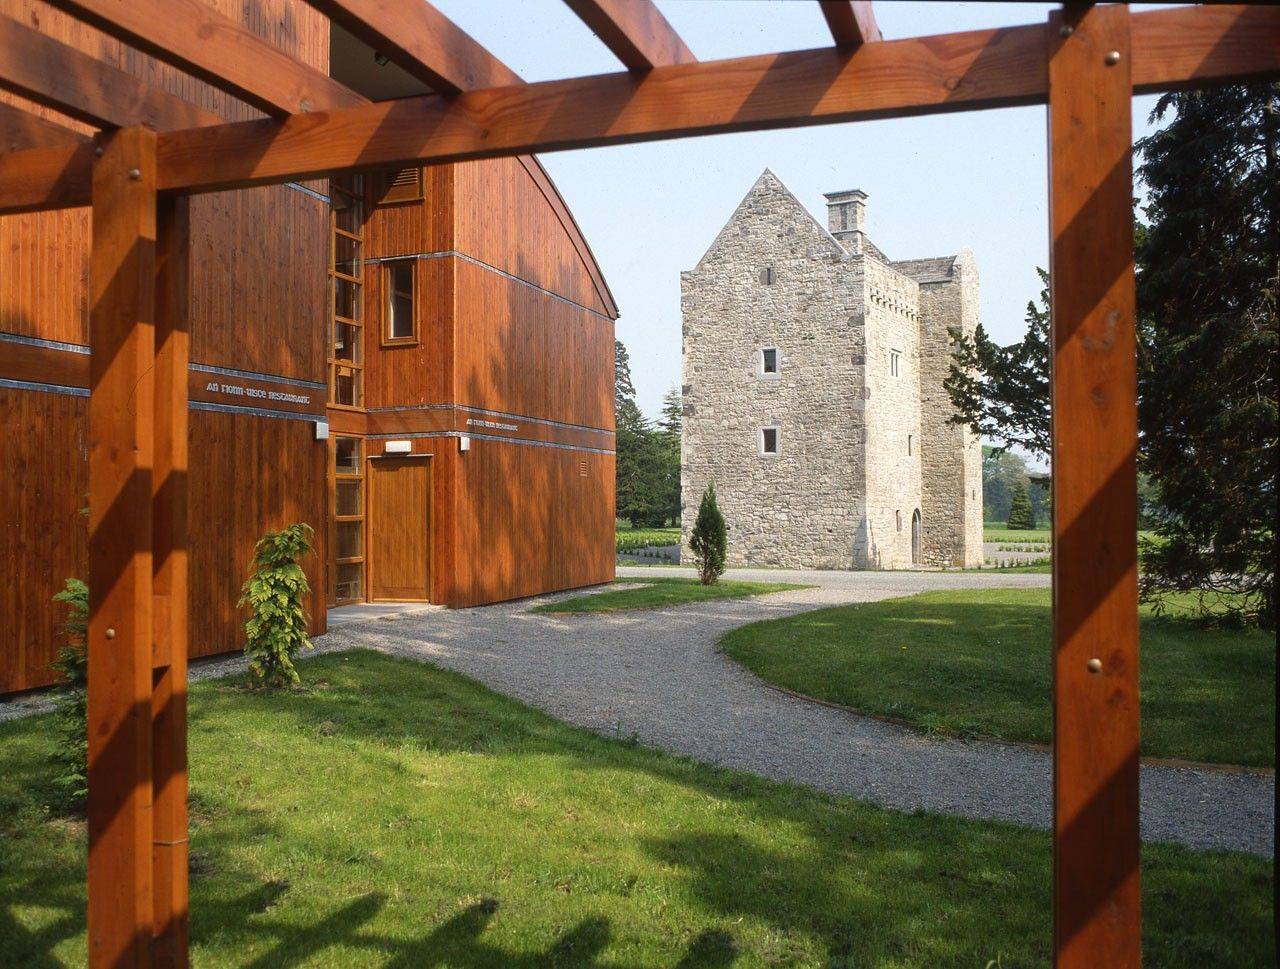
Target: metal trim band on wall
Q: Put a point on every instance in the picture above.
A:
(454, 253)
(486, 437)
(284, 415)
(254, 375)
(33, 341)
(44, 388)
(466, 408)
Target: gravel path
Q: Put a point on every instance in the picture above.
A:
(657, 676)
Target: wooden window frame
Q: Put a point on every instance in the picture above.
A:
(361, 477)
(414, 338)
(356, 195)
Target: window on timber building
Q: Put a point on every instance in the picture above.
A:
(768, 440)
(346, 288)
(769, 362)
(347, 501)
(402, 317)
(894, 363)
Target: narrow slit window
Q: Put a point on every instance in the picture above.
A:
(768, 440)
(766, 276)
(908, 445)
(894, 363)
(402, 324)
(769, 360)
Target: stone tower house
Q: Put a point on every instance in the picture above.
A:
(813, 368)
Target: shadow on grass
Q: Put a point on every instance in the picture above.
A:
(744, 866)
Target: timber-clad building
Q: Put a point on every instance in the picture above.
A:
(419, 364)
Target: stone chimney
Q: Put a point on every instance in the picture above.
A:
(847, 217)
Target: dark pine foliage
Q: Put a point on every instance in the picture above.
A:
(648, 457)
(709, 541)
(1209, 259)
(1003, 392)
(1020, 514)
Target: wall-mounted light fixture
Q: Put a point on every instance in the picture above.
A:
(397, 447)
(464, 443)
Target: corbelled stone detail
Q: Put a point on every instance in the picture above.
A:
(864, 447)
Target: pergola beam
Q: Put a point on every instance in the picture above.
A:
(20, 130)
(636, 31)
(852, 22)
(58, 76)
(1097, 902)
(417, 37)
(892, 78)
(195, 38)
(121, 449)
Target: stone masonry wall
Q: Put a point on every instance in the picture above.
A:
(862, 450)
(952, 455)
(892, 459)
(803, 506)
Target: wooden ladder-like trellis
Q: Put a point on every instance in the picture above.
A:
(153, 151)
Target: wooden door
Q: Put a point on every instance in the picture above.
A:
(400, 528)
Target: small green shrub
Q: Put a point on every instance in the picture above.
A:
(709, 541)
(275, 591)
(1020, 514)
(71, 755)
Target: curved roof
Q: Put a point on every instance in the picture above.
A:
(552, 194)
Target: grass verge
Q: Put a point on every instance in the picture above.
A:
(997, 532)
(976, 663)
(628, 539)
(659, 592)
(399, 815)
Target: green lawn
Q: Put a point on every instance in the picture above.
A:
(976, 663)
(398, 815)
(659, 592)
(628, 539)
(996, 532)
(1033, 567)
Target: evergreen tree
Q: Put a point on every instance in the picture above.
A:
(1020, 515)
(672, 419)
(668, 454)
(1208, 262)
(623, 388)
(1001, 472)
(632, 461)
(1002, 393)
(709, 541)
(1209, 259)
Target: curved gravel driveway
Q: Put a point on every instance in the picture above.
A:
(657, 676)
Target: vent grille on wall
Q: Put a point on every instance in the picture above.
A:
(582, 469)
(404, 186)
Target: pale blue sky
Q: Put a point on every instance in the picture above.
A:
(936, 184)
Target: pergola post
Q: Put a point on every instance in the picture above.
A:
(121, 446)
(1097, 903)
(169, 578)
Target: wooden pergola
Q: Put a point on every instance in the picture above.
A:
(153, 150)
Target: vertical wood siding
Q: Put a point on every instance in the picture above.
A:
(258, 303)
